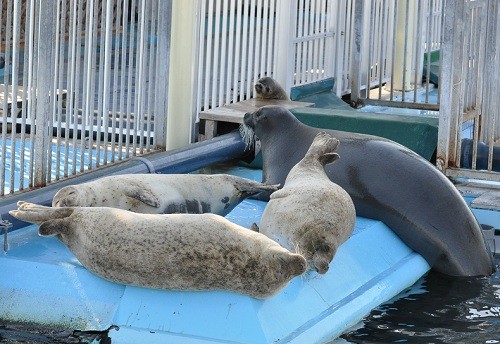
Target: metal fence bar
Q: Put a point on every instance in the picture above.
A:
(491, 105)
(231, 18)
(224, 49)
(25, 108)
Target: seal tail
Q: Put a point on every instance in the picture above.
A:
(47, 217)
(323, 148)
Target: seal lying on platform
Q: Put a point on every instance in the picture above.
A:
(387, 182)
(311, 215)
(268, 88)
(162, 193)
(174, 251)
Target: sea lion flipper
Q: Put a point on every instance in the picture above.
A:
(254, 227)
(145, 196)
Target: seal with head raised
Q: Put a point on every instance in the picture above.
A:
(268, 88)
(311, 215)
(162, 193)
(387, 182)
(170, 251)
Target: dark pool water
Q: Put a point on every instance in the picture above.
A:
(437, 309)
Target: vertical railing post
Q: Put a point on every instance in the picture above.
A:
(182, 78)
(357, 46)
(450, 84)
(46, 36)
(162, 70)
(286, 22)
(490, 129)
(405, 26)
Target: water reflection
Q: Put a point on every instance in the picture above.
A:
(439, 309)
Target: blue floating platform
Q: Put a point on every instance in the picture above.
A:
(43, 283)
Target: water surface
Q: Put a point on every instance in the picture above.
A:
(437, 309)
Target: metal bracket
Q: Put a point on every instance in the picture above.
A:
(5, 226)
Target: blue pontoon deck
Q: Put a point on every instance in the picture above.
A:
(43, 283)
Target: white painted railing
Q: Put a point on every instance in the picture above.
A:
(391, 40)
(316, 39)
(470, 84)
(85, 73)
(237, 42)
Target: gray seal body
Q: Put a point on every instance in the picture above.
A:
(162, 193)
(268, 88)
(170, 251)
(387, 182)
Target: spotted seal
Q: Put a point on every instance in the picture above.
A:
(387, 182)
(162, 193)
(169, 251)
(311, 214)
(268, 88)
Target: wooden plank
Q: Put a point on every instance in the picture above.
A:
(234, 112)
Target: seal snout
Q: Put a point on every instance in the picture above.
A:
(299, 265)
(248, 119)
(321, 267)
(258, 87)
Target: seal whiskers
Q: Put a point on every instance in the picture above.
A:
(247, 136)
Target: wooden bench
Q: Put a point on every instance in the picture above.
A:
(234, 112)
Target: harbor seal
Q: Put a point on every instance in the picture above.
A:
(162, 193)
(169, 251)
(268, 88)
(387, 182)
(311, 215)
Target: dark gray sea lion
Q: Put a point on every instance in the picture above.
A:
(268, 88)
(387, 182)
(172, 251)
(162, 193)
(311, 215)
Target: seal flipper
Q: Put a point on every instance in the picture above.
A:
(38, 214)
(254, 227)
(144, 196)
(323, 148)
(328, 158)
(250, 187)
(53, 227)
